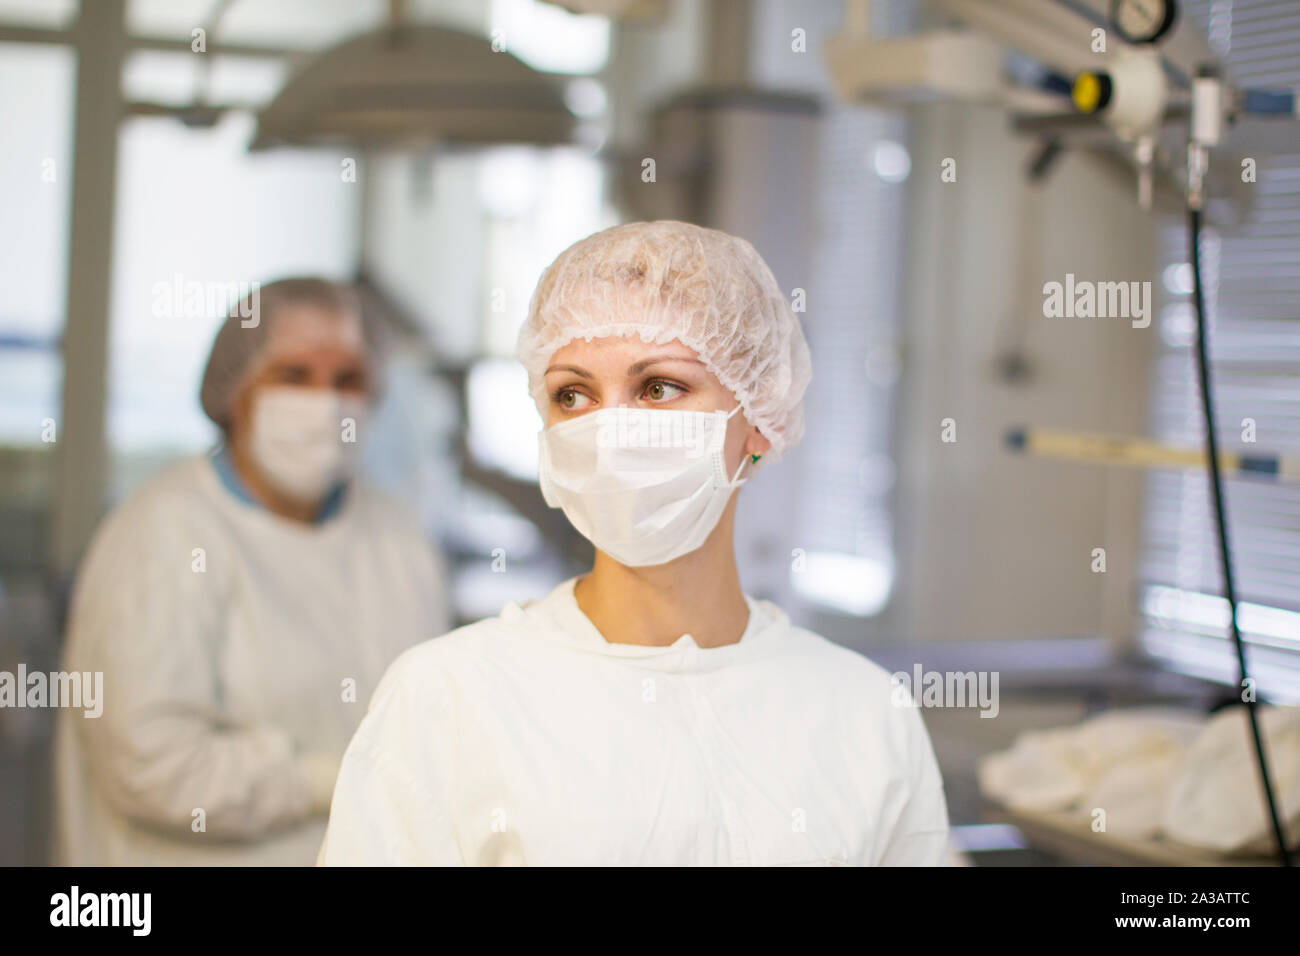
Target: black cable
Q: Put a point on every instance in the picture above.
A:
(1216, 485)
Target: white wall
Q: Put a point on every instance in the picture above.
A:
(994, 544)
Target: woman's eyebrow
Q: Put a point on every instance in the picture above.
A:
(568, 368)
(638, 367)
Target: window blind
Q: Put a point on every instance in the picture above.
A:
(853, 317)
(1252, 283)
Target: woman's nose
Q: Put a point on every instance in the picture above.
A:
(614, 394)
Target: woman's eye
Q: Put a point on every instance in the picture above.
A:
(569, 399)
(292, 375)
(660, 391)
(350, 383)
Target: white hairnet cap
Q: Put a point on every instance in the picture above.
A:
(673, 280)
(285, 315)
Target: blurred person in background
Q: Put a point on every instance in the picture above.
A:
(242, 606)
(648, 712)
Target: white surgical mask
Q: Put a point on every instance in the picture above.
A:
(643, 485)
(300, 439)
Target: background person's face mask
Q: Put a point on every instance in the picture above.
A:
(297, 439)
(643, 485)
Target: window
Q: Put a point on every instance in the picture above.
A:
(36, 94)
(194, 207)
(853, 317)
(1252, 280)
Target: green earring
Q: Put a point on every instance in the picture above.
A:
(754, 458)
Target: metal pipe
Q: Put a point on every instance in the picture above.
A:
(1047, 46)
(15, 34)
(857, 18)
(82, 447)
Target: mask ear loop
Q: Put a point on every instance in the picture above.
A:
(735, 479)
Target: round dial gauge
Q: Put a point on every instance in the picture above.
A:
(1143, 21)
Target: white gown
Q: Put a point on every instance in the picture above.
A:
(529, 739)
(228, 639)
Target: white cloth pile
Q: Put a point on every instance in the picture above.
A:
(1159, 773)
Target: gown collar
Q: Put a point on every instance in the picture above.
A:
(224, 465)
(575, 629)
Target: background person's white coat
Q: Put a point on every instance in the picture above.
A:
(224, 687)
(529, 739)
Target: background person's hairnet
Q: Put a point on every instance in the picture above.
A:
(672, 280)
(267, 321)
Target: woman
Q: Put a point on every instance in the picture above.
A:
(648, 712)
(242, 607)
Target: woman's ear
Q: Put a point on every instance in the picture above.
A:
(756, 444)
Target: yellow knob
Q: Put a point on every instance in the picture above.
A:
(1087, 92)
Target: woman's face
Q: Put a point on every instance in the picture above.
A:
(611, 372)
(316, 358)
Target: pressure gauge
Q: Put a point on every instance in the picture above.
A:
(1143, 21)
